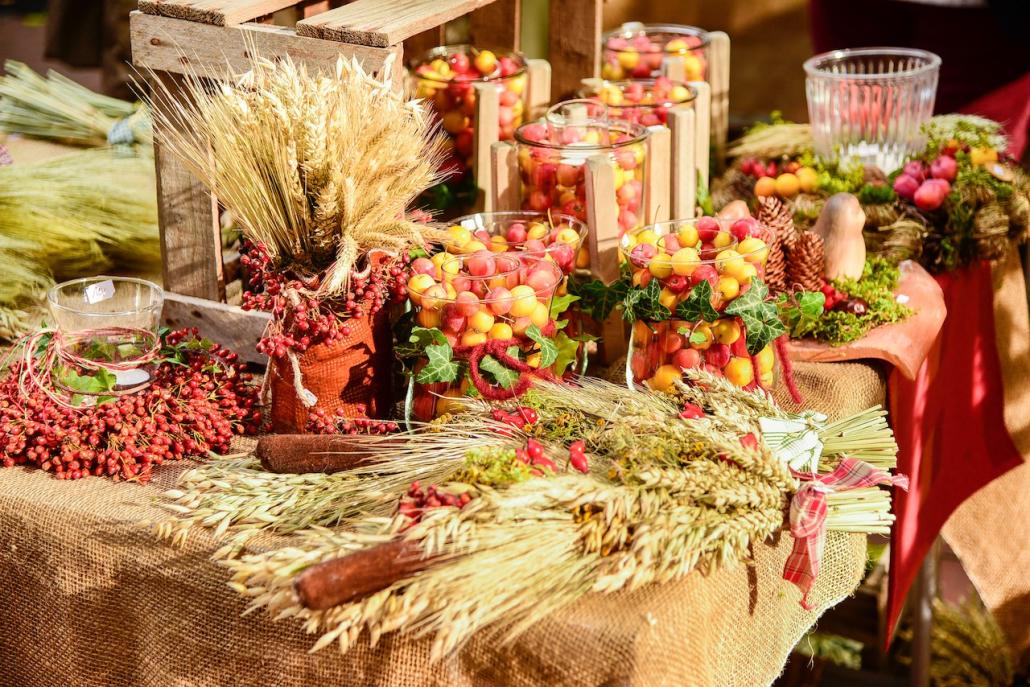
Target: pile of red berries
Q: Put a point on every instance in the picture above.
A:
(417, 501)
(322, 422)
(199, 398)
(577, 456)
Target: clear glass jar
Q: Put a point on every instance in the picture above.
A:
(501, 300)
(561, 237)
(445, 77)
(552, 161)
(636, 51)
(681, 255)
(646, 102)
(869, 104)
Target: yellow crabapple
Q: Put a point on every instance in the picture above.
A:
(628, 59)
(685, 261)
(646, 236)
(430, 319)
(482, 321)
(523, 301)
(536, 230)
(704, 337)
(728, 287)
(472, 338)
(500, 330)
(668, 299)
(726, 331)
(417, 285)
(722, 239)
(766, 358)
(567, 235)
(498, 244)
(739, 371)
(687, 236)
(660, 266)
(534, 360)
(727, 258)
(665, 377)
(434, 297)
(754, 250)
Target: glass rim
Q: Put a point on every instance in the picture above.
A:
(672, 226)
(527, 215)
(814, 70)
(691, 93)
(428, 56)
(554, 266)
(637, 28)
(637, 132)
(151, 286)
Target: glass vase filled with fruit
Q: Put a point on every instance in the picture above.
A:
(446, 77)
(646, 102)
(481, 325)
(698, 300)
(637, 51)
(553, 154)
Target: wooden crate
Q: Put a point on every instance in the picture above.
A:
(173, 37)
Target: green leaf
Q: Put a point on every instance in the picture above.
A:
(559, 304)
(441, 366)
(698, 304)
(501, 374)
(811, 304)
(596, 298)
(645, 304)
(759, 315)
(418, 340)
(568, 348)
(698, 338)
(548, 351)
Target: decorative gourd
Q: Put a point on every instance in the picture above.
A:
(840, 226)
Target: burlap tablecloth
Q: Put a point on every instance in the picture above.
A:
(89, 598)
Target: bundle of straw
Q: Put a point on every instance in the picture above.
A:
(318, 168)
(73, 216)
(58, 108)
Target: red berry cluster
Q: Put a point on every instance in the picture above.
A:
(519, 417)
(322, 422)
(193, 405)
(417, 501)
(577, 456)
(833, 296)
(533, 456)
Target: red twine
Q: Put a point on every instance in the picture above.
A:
(498, 349)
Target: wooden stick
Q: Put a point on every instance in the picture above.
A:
(538, 88)
(504, 178)
(602, 219)
(657, 184)
(301, 453)
(702, 123)
(359, 574)
(719, 78)
(684, 171)
(487, 132)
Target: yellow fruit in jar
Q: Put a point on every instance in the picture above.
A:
(687, 235)
(665, 377)
(501, 331)
(728, 259)
(583, 257)
(517, 86)
(451, 267)
(754, 250)
(702, 337)
(536, 230)
(787, 185)
(676, 45)
(434, 297)
(451, 293)
(449, 403)
(982, 156)
(739, 371)
(567, 235)
(728, 287)
(693, 68)
(440, 67)
(766, 358)
(641, 333)
(417, 285)
(430, 319)
(668, 299)
(685, 261)
(457, 236)
(744, 273)
(534, 360)
(726, 331)
(646, 236)
(612, 72)
(765, 186)
(766, 379)
(471, 338)
(722, 239)
(523, 301)
(808, 179)
(540, 315)
(482, 321)
(628, 59)
(498, 244)
(473, 246)
(660, 266)
(439, 259)
(425, 90)
(592, 137)
(620, 177)
(610, 95)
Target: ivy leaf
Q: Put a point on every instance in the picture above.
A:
(501, 374)
(698, 304)
(440, 368)
(567, 350)
(698, 338)
(548, 351)
(559, 304)
(645, 304)
(760, 317)
(596, 298)
(418, 340)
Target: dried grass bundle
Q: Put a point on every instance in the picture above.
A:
(317, 167)
(773, 140)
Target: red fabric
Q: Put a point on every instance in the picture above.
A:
(808, 511)
(950, 426)
(1009, 105)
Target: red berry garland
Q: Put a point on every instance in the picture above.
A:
(195, 404)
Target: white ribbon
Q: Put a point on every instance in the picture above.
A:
(795, 441)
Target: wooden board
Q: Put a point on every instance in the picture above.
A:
(538, 88)
(719, 78)
(683, 158)
(176, 46)
(188, 219)
(905, 344)
(702, 105)
(485, 135)
(382, 24)
(496, 25)
(602, 219)
(228, 325)
(657, 185)
(504, 178)
(574, 44)
(216, 12)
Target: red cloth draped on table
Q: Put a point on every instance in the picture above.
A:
(949, 421)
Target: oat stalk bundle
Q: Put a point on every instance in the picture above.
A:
(317, 167)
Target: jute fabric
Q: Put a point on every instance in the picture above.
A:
(89, 598)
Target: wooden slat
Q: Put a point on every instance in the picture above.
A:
(187, 213)
(703, 128)
(421, 43)
(486, 133)
(381, 24)
(602, 219)
(228, 325)
(658, 181)
(215, 12)
(574, 44)
(538, 88)
(684, 169)
(172, 45)
(719, 78)
(504, 178)
(496, 25)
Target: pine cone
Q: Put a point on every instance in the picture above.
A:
(779, 223)
(805, 262)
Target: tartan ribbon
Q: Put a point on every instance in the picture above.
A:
(808, 511)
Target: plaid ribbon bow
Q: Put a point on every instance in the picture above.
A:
(808, 516)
